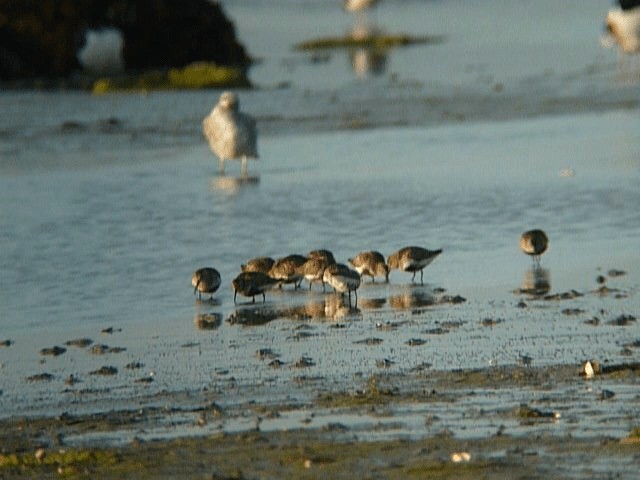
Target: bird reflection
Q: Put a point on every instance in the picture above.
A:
(232, 185)
(207, 321)
(254, 316)
(367, 59)
(412, 298)
(372, 303)
(537, 282)
(336, 307)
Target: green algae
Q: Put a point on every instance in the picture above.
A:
(65, 462)
(196, 76)
(370, 41)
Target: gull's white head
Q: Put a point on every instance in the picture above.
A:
(624, 28)
(229, 101)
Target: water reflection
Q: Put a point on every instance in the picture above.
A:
(412, 297)
(207, 321)
(537, 282)
(372, 303)
(232, 185)
(367, 59)
(336, 307)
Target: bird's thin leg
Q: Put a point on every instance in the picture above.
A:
(221, 165)
(264, 299)
(235, 293)
(355, 293)
(421, 275)
(413, 279)
(243, 170)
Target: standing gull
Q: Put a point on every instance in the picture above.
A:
(231, 134)
(205, 280)
(358, 5)
(623, 24)
(534, 243)
(412, 259)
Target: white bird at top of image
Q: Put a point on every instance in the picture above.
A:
(101, 53)
(358, 5)
(231, 134)
(623, 25)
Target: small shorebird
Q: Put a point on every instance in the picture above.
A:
(623, 24)
(258, 264)
(286, 270)
(412, 259)
(231, 134)
(371, 264)
(251, 284)
(313, 269)
(323, 254)
(342, 279)
(534, 243)
(205, 280)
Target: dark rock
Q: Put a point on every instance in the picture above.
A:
(41, 39)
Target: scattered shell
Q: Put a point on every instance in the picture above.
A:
(39, 377)
(39, 454)
(106, 370)
(616, 273)
(266, 354)
(415, 342)
(369, 341)
(54, 351)
(526, 412)
(79, 342)
(606, 394)
(304, 362)
(590, 368)
(491, 322)
(458, 457)
(622, 320)
(384, 363)
(6, 343)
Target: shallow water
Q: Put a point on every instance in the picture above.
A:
(110, 203)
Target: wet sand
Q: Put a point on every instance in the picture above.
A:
(532, 439)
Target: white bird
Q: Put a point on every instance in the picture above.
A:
(358, 5)
(231, 134)
(623, 24)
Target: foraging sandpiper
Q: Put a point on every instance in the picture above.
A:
(412, 259)
(286, 270)
(258, 264)
(534, 243)
(251, 284)
(205, 280)
(372, 264)
(342, 279)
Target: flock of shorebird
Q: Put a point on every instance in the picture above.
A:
(261, 274)
(232, 134)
